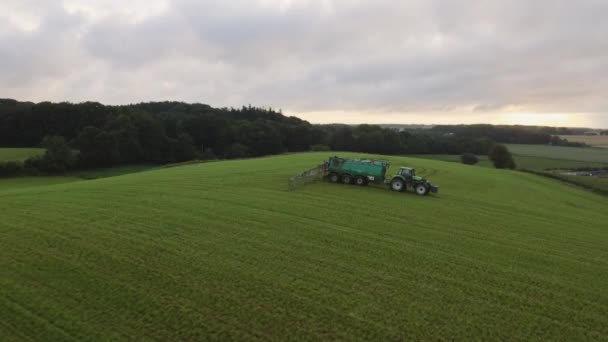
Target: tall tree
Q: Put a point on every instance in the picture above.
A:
(501, 157)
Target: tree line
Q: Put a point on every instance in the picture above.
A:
(90, 134)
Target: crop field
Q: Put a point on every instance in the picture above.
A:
(592, 140)
(18, 154)
(223, 251)
(585, 154)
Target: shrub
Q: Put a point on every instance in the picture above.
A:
(10, 168)
(319, 147)
(501, 157)
(469, 158)
(58, 157)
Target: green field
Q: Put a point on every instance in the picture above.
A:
(544, 157)
(522, 162)
(18, 154)
(222, 251)
(600, 183)
(592, 140)
(596, 155)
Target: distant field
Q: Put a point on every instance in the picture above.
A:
(597, 155)
(455, 158)
(523, 162)
(543, 157)
(539, 163)
(223, 251)
(18, 154)
(600, 183)
(593, 140)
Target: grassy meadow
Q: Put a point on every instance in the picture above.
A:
(18, 153)
(222, 251)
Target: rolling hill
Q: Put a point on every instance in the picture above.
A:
(222, 250)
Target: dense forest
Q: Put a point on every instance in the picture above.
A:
(166, 132)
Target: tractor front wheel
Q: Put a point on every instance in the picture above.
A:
(397, 185)
(334, 178)
(421, 189)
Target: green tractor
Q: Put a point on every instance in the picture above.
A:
(406, 177)
(365, 171)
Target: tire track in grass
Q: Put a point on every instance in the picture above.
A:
(318, 275)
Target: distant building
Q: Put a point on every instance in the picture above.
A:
(592, 133)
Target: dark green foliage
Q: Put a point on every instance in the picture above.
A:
(183, 148)
(10, 168)
(469, 158)
(236, 150)
(97, 148)
(167, 132)
(501, 157)
(58, 157)
(320, 147)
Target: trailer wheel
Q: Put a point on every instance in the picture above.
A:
(334, 178)
(347, 179)
(360, 181)
(421, 189)
(397, 184)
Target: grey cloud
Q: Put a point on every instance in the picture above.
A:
(409, 56)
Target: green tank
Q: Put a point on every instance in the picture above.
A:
(360, 171)
(365, 171)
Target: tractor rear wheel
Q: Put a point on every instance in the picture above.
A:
(360, 181)
(347, 179)
(334, 178)
(421, 189)
(397, 184)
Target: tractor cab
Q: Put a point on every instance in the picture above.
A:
(406, 172)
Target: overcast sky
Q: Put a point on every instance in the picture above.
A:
(397, 61)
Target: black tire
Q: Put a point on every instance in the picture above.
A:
(421, 189)
(334, 177)
(397, 184)
(360, 181)
(347, 179)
